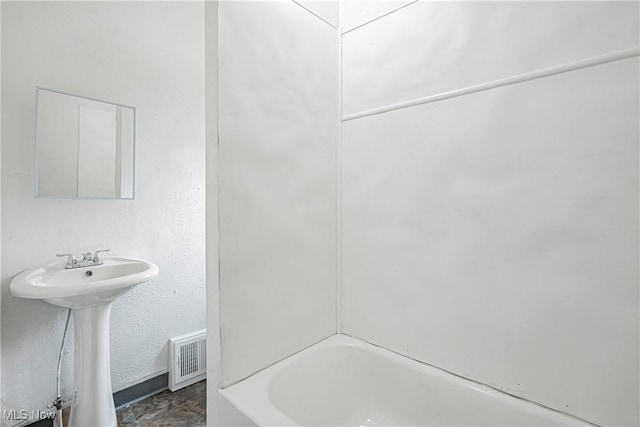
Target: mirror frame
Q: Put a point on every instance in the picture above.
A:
(35, 154)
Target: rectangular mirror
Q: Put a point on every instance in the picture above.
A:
(84, 147)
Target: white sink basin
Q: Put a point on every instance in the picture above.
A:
(89, 292)
(84, 286)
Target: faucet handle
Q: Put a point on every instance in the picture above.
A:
(96, 255)
(71, 261)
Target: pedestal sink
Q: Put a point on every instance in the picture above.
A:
(88, 292)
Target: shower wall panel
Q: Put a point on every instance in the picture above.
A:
(429, 48)
(495, 234)
(277, 149)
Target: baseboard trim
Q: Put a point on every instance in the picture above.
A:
(41, 423)
(128, 396)
(141, 391)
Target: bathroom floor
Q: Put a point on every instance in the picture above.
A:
(185, 407)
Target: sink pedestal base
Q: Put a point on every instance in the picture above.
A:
(92, 396)
(89, 293)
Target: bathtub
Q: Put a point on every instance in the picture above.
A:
(343, 381)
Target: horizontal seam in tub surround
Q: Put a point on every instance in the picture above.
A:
(501, 82)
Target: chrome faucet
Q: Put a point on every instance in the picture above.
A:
(72, 262)
(88, 259)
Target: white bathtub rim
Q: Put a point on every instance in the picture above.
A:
(481, 387)
(263, 412)
(257, 413)
(256, 387)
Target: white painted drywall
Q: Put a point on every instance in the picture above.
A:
(146, 54)
(495, 234)
(277, 129)
(211, 123)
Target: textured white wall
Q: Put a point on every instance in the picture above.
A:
(278, 108)
(146, 54)
(495, 234)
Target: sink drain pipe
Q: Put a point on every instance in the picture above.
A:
(58, 402)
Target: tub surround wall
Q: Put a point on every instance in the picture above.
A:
(356, 13)
(495, 234)
(277, 150)
(146, 54)
(462, 44)
(325, 10)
